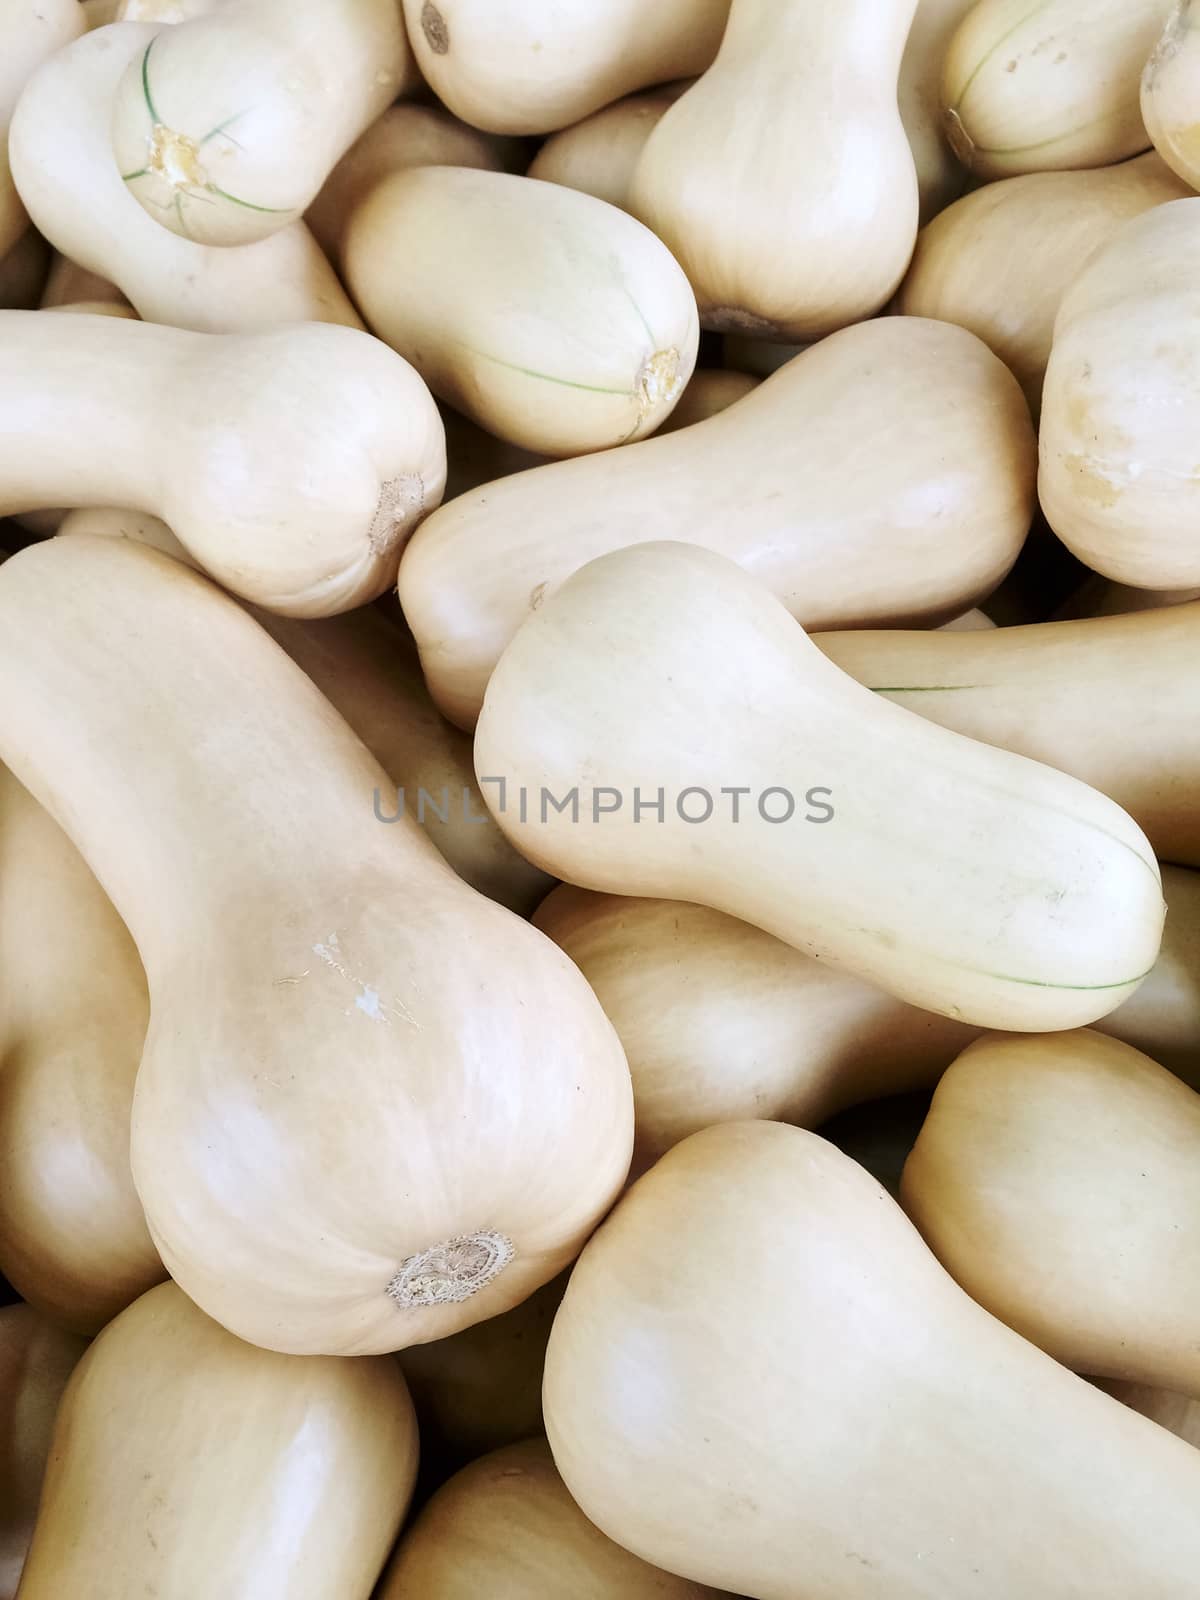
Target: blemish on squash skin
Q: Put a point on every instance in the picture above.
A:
(733, 319)
(451, 1272)
(657, 382)
(368, 1001)
(433, 26)
(400, 506)
(959, 140)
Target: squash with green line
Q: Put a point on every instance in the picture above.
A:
(1039, 85)
(550, 318)
(966, 880)
(226, 125)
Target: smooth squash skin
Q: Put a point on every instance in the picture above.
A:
(875, 859)
(229, 418)
(30, 30)
(720, 1021)
(71, 285)
(225, 126)
(180, 1451)
(62, 165)
(598, 156)
(1170, 92)
(1056, 1179)
(507, 68)
(36, 1360)
(940, 176)
(334, 997)
(574, 330)
(838, 1368)
(783, 180)
(1178, 1412)
(1118, 479)
(505, 1527)
(1107, 699)
(710, 391)
(883, 476)
(1031, 87)
(999, 260)
(73, 1015)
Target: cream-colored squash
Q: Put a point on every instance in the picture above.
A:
(783, 180)
(1056, 1178)
(574, 329)
(1178, 1412)
(30, 31)
(508, 67)
(69, 285)
(710, 391)
(36, 1359)
(963, 879)
(969, 622)
(225, 126)
(1000, 260)
(1034, 85)
(335, 998)
(506, 1528)
(186, 1461)
(162, 10)
(761, 1379)
(23, 272)
(1170, 92)
(209, 431)
(940, 176)
(1118, 479)
(63, 167)
(1108, 699)
(885, 475)
(598, 155)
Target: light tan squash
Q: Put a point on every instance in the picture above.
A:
(710, 391)
(940, 176)
(598, 155)
(100, 13)
(509, 68)
(1118, 478)
(180, 1451)
(1000, 260)
(853, 818)
(860, 1419)
(505, 1527)
(1031, 87)
(574, 329)
(23, 272)
(783, 180)
(30, 31)
(73, 1015)
(231, 417)
(162, 10)
(69, 285)
(787, 482)
(1178, 1412)
(334, 1000)
(36, 1359)
(62, 164)
(1170, 92)
(970, 622)
(1107, 699)
(225, 126)
(1056, 1178)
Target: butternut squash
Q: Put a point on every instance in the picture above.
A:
(940, 176)
(73, 1015)
(181, 1451)
(760, 1379)
(1107, 699)
(786, 481)
(36, 1359)
(225, 126)
(162, 10)
(1118, 478)
(1055, 1180)
(598, 155)
(507, 68)
(1178, 1412)
(231, 416)
(67, 285)
(573, 330)
(970, 622)
(783, 247)
(720, 1021)
(1000, 260)
(505, 1527)
(852, 816)
(62, 165)
(30, 31)
(710, 391)
(336, 996)
(1170, 93)
(1034, 87)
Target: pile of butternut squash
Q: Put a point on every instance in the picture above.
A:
(600, 800)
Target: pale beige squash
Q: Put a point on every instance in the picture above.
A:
(161, 10)
(1119, 480)
(1108, 699)
(940, 176)
(336, 996)
(552, 319)
(961, 878)
(710, 391)
(30, 31)
(1178, 1412)
(185, 1459)
(508, 67)
(69, 285)
(787, 482)
(1171, 92)
(231, 417)
(783, 180)
(505, 1527)
(1056, 1178)
(1033, 85)
(598, 155)
(970, 622)
(1000, 260)
(761, 1379)
(36, 1359)
(62, 164)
